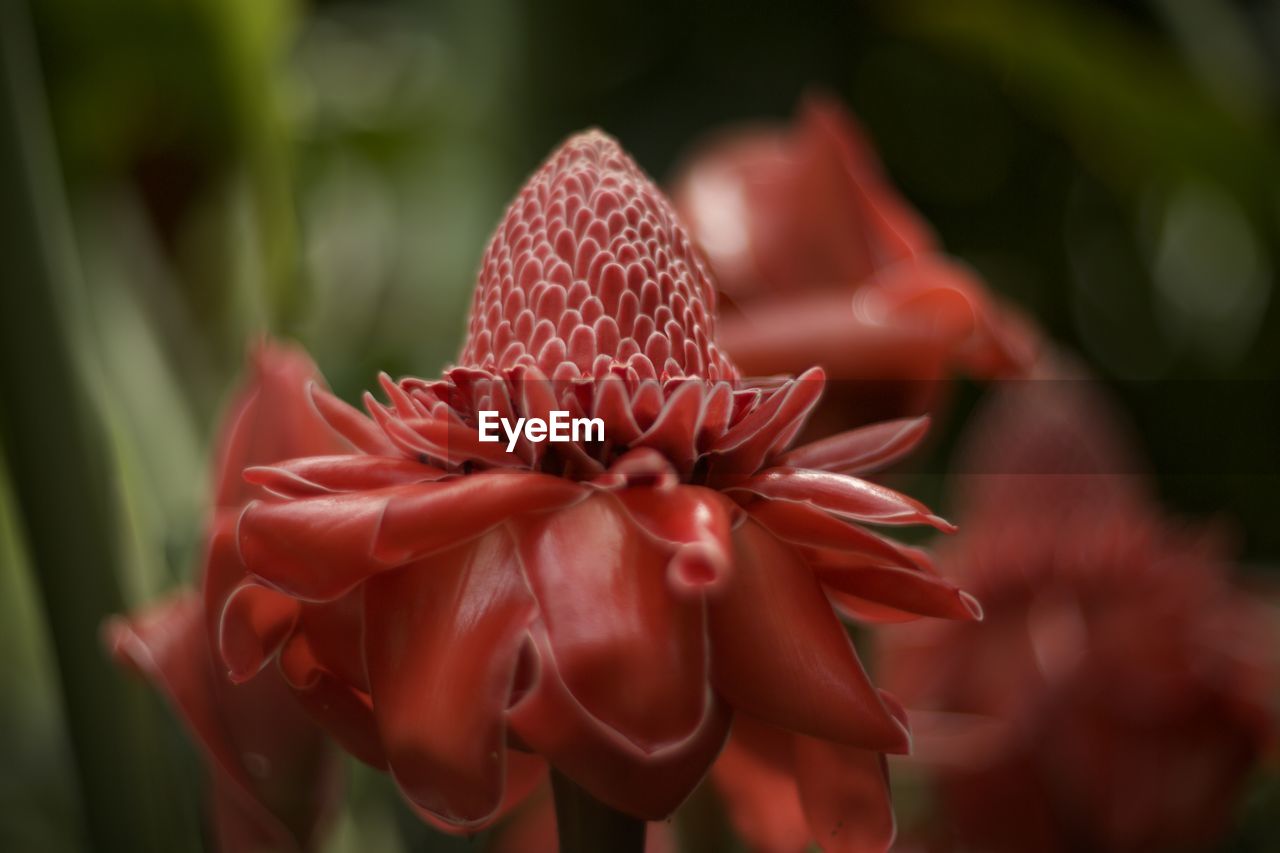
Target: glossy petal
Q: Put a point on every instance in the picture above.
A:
(255, 623)
(780, 654)
(860, 451)
(642, 467)
(441, 643)
(806, 524)
(748, 443)
(848, 496)
(648, 785)
(319, 548)
(755, 777)
(632, 653)
(871, 612)
(348, 422)
(694, 522)
(454, 443)
(845, 794)
(320, 475)
(334, 630)
(613, 407)
(525, 774)
(902, 589)
(674, 433)
(345, 713)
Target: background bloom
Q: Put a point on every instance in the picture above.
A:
(1118, 693)
(608, 606)
(273, 776)
(825, 263)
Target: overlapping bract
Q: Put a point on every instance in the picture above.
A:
(590, 271)
(1119, 691)
(608, 606)
(826, 264)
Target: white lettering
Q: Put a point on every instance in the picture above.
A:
(559, 428)
(487, 423)
(589, 425)
(513, 435)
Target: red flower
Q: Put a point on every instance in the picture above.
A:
(273, 777)
(608, 605)
(826, 264)
(1124, 681)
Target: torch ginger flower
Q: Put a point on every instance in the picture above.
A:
(1120, 685)
(827, 264)
(606, 605)
(273, 774)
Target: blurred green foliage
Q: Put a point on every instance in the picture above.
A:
(330, 171)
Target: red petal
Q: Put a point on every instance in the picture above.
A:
(341, 710)
(525, 774)
(319, 475)
(693, 521)
(780, 654)
(282, 795)
(441, 642)
(756, 780)
(646, 785)
(270, 419)
(766, 430)
(860, 451)
(456, 443)
(673, 434)
(806, 524)
(255, 623)
(349, 422)
(631, 652)
(538, 400)
(333, 630)
(716, 412)
(643, 466)
(860, 610)
(845, 794)
(903, 589)
(451, 512)
(613, 406)
(316, 548)
(849, 496)
(319, 548)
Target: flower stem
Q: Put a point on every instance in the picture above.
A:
(586, 825)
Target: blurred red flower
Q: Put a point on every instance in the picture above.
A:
(273, 776)
(1119, 688)
(605, 605)
(824, 263)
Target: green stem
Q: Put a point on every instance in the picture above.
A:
(586, 825)
(62, 476)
